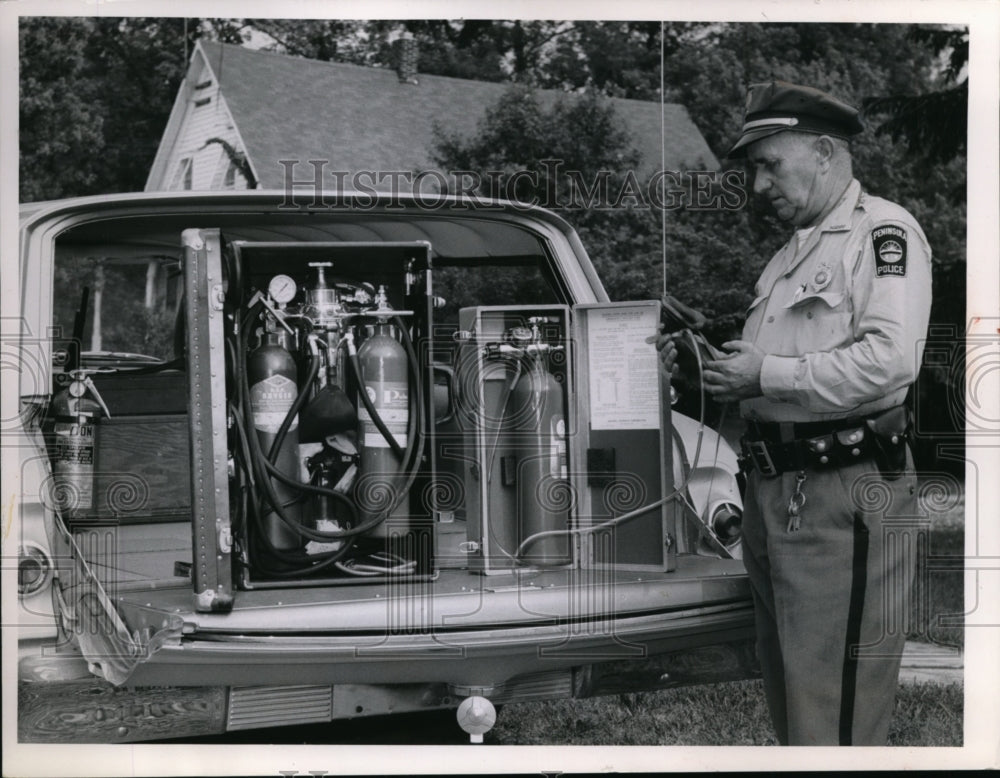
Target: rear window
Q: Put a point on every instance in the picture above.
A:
(471, 285)
(131, 304)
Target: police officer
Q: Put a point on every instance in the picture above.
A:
(833, 339)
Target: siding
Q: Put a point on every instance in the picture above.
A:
(205, 116)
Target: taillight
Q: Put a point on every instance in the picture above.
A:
(34, 570)
(727, 522)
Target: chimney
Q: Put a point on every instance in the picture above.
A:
(406, 58)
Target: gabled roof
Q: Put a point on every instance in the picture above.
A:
(362, 118)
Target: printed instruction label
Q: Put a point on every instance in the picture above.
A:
(624, 379)
(270, 401)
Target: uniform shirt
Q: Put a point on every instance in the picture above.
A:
(842, 317)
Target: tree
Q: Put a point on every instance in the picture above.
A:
(711, 67)
(713, 257)
(96, 93)
(934, 124)
(466, 48)
(620, 59)
(61, 121)
(111, 83)
(623, 232)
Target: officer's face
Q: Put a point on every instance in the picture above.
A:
(786, 172)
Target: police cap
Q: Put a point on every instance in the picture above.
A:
(777, 106)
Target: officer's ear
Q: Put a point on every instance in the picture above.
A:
(825, 149)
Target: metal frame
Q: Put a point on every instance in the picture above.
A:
(416, 269)
(212, 538)
(488, 557)
(668, 511)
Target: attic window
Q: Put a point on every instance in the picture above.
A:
(183, 177)
(202, 101)
(203, 84)
(229, 180)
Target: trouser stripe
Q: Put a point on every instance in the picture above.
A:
(849, 677)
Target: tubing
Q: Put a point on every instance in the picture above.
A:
(258, 469)
(677, 491)
(370, 406)
(300, 400)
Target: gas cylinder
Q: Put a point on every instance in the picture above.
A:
(383, 364)
(74, 445)
(271, 373)
(543, 499)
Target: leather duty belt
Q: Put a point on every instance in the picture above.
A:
(773, 448)
(833, 450)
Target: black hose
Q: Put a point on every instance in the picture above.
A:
(372, 411)
(415, 442)
(260, 468)
(295, 563)
(293, 411)
(253, 456)
(264, 469)
(257, 455)
(415, 419)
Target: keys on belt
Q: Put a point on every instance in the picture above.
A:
(834, 449)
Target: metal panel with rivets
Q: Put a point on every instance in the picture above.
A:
(211, 570)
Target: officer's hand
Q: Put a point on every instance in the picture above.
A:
(737, 375)
(668, 350)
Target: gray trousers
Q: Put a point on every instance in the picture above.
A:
(831, 599)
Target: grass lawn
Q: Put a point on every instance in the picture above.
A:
(724, 714)
(735, 713)
(938, 600)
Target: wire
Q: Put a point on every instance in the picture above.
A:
(677, 492)
(508, 392)
(265, 469)
(663, 160)
(396, 565)
(293, 410)
(373, 413)
(276, 563)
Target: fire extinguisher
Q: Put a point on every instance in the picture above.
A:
(75, 442)
(272, 373)
(542, 468)
(383, 366)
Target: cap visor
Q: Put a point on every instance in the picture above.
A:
(739, 148)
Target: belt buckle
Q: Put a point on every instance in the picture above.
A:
(761, 458)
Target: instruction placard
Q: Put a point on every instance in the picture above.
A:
(624, 382)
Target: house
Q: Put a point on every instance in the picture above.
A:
(240, 111)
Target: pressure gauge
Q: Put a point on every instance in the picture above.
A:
(518, 335)
(77, 389)
(282, 289)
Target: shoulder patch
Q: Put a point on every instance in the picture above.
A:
(889, 245)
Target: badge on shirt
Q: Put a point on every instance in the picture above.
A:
(889, 243)
(820, 280)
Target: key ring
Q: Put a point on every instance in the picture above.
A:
(795, 503)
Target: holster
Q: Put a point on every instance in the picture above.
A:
(890, 431)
